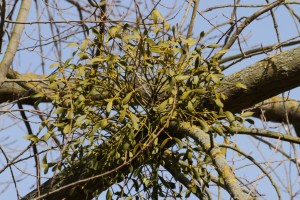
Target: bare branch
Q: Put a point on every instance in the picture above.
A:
(14, 40)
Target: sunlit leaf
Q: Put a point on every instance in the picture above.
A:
(247, 114)
(135, 120)
(219, 103)
(31, 137)
(67, 128)
(240, 85)
(162, 106)
(181, 77)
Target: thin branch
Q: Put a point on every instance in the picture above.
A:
(11, 171)
(246, 23)
(34, 147)
(268, 134)
(257, 164)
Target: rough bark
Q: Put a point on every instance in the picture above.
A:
(263, 80)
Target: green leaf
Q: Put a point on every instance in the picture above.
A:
(156, 49)
(199, 91)
(47, 135)
(181, 77)
(134, 120)
(72, 44)
(215, 77)
(196, 173)
(204, 125)
(195, 80)
(150, 41)
(247, 114)
(67, 128)
(109, 195)
(179, 142)
(81, 98)
(80, 119)
(83, 56)
(156, 15)
(190, 107)
(217, 129)
(113, 31)
(240, 85)
(125, 146)
(60, 125)
(189, 155)
(162, 106)
(189, 41)
(229, 116)
(54, 65)
(127, 98)
(164, 119)
(163, 144)
(44, 160)
(60, 110)
(130, 37)
(67, 62)
(122, 115)
(219, 103)
(213, 46)
(109, 106)
(95, 128)
(38, 95)
(46, 168)
(32, 138)
(95, 31)
(223, 51)
(98, 59)
(185, 95)
(84, 45)
(103, 123)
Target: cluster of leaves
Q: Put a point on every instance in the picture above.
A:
(121, 90)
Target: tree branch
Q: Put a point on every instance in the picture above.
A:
(263, 80)
(218, 159)
(14, 40)
(269, 134)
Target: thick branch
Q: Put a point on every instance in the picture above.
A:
(264, 80)
(14, 40)
(218, 159)
(278, 109)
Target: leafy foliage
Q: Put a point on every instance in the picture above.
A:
(122, 89)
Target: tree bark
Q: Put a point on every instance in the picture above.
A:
(263, 80)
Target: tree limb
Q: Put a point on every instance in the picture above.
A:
(14, 40)
(263, 80)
